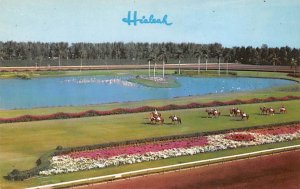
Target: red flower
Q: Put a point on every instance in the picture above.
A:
(240, 137)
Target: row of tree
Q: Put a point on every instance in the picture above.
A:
(38, 52)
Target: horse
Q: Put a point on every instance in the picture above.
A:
(234, 112)
(263, 110)
(282, 110)
(157, 119)
(175, 118)
(213, 112)
(244, 115)
(270, 111)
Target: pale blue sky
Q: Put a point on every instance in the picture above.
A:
(230, 22)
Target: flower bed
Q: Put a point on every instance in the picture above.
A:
(279, 130)
(90, 113)
(140, 149)
(240, 137)
(135, 153)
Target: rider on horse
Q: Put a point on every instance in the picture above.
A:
(175, 118)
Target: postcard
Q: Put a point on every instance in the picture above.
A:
(149, 94)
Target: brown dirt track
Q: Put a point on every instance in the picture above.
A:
(145, 66)
(273, 171)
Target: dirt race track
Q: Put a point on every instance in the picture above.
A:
(145, 66)
(273, 171)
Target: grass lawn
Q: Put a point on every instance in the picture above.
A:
(22, 143)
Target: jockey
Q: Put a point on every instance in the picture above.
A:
(244, 114)
(155, 112)
(175, 118)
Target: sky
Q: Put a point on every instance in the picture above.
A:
(229, 22)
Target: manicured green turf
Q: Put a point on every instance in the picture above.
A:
(22, 143)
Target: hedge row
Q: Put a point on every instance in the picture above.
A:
(90, 113)
(44, 161)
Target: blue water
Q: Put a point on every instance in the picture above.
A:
(67, 91)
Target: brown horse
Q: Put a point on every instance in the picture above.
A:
(234, 112)
(244, 115)
(213, 113)
(157, 120)
(270, 111)
(263, 110)
(175, 119)
(282, 110)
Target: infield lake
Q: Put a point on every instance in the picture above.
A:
(86, 90)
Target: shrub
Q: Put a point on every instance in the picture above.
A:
(59, 148)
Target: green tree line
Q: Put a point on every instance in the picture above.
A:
(38, 52)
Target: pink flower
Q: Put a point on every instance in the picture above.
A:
(140, 149)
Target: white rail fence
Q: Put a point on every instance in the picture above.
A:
(166, 168)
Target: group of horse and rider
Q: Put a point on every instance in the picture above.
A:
(155, 116)
(270, 111)
(236, 112)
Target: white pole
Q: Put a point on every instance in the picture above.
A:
(163, 68)
(199, 65)
(80, 64)
(179, 67)
(149, 69)
(154, 70)
(219, 67)
(227, 69)
(59, 60)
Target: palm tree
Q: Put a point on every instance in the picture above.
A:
(179, 55)
(274, 60)
(61, 47)
(219, 54)
(83, 54)
(294, 64)
(154, 69)
(198, 54)
(227, 57)
(151, 58)
(164, 57)
(206, 59)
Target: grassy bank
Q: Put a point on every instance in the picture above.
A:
(166, 83)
